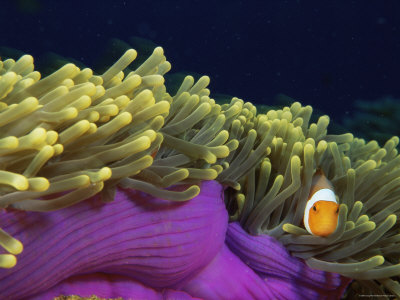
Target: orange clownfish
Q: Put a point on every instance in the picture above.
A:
(322, 210)
(154, 153)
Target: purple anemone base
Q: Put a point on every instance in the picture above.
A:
(141, 247)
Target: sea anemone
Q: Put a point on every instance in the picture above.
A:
(141, 247)
(74, 136)
(366, 243)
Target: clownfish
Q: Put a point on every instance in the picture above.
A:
(322, 210)
(154, 153)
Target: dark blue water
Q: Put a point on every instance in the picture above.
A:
(323, 53)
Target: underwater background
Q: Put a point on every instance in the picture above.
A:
(327, 55)
(340, 57)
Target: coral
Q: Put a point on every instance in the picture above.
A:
(73, 135)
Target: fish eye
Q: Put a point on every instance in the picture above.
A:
(314, 208)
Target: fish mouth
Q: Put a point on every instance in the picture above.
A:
(325, 229)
